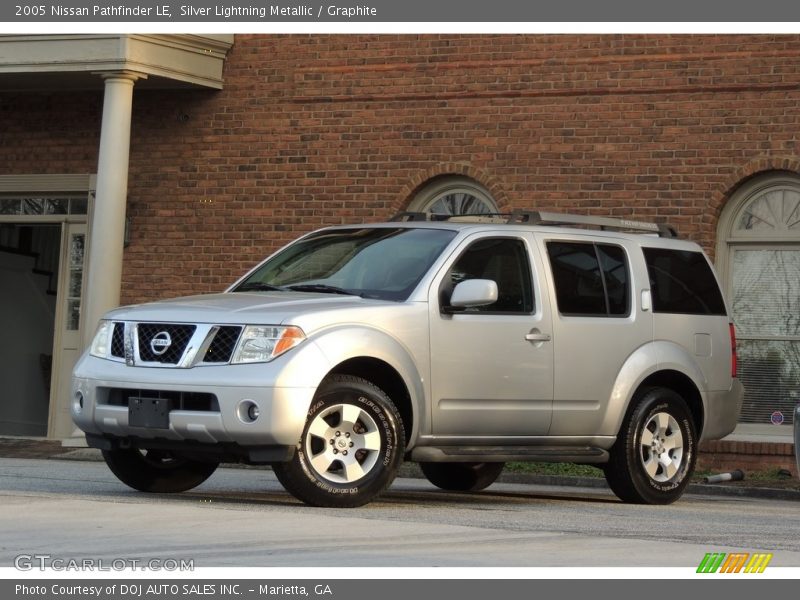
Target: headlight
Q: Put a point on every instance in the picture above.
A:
(262, 343)
(100, 343)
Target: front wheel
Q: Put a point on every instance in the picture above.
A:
(462, 477)
(157, 470)
(654, 456)
(351, 446)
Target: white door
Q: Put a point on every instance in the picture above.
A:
(67, 340)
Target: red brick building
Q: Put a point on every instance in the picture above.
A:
(701, 131)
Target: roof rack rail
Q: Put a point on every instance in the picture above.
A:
(535, 217)
(553, 218)
(409, 216)
(423, 216)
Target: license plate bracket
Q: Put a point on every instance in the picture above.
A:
(151, 413)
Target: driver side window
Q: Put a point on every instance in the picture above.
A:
(504, 261)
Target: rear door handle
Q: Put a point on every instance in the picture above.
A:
(537, 337)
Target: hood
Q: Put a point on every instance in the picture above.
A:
(264, 308)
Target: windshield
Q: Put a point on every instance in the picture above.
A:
(384, 263)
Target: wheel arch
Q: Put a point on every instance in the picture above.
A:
(682, 385)
(373, 354)
(658, 364)
(386, 377)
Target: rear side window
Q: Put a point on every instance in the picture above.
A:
(590, 279)
(682, 282)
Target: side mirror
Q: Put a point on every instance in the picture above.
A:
(473, 292)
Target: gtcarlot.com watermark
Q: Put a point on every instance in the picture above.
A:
(46, 562)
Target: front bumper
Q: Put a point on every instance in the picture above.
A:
(254, 455)
(281, 410)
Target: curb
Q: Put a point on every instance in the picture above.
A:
(697, 489)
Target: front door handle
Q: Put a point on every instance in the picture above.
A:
(537, 337)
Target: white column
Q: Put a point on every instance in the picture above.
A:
(108, 218)
(107, 228)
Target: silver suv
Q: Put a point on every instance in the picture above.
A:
(458, 343)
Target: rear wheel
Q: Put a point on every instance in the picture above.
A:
(350, 448)
(462, 477)
(654, 456)
(157, 470)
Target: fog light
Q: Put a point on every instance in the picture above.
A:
(77, 404)
(247, 411)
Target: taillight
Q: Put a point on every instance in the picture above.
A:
(733, 351)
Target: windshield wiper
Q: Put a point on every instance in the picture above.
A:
(259, 286)
(320, 287)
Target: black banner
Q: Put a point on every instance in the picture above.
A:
(388, 11)
(392, 589)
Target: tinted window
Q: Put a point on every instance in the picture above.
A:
(590, 279)
(682, 282)
(504, 261)
(615, 274)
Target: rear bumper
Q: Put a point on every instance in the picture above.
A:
(722, 411)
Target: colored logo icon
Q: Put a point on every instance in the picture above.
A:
(737, 562)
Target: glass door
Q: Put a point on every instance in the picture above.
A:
(67, 342)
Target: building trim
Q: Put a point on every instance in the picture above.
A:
(460, 169)
(189, 59)
(47, 183)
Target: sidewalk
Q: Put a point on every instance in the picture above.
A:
(788, 489)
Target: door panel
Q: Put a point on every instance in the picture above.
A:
(589, 350)
(486, 377)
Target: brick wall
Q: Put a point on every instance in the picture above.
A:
(722, 456)
(314, 130)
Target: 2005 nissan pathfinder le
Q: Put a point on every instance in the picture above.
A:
(458, 343)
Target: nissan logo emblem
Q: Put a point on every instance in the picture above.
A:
(160, 343)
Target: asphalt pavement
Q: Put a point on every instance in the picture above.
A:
(243, 517)
(18, 447)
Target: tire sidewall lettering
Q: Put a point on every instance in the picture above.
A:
(388, 453)
(680, 477)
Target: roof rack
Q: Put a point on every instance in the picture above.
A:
(411, 216)
(461, 218)
(553, 218)
(535, 217)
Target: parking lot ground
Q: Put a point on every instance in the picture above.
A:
(243, 517)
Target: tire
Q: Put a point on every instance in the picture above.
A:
(157, 471)
(350, 449)
(654, 456)
(462, 477)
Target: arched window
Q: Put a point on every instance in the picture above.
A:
(453, 196)
(759, 256)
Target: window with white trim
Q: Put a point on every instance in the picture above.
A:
(453, 196)
(759, 254)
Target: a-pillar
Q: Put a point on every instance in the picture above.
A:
(106, 237)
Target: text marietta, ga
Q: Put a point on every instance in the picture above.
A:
(159, 590)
